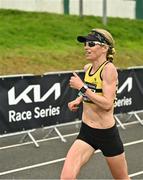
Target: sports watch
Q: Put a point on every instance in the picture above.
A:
(83, 89)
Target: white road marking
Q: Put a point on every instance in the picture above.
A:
(136, 174)
(56, 137)
(56, 161)
(134, 142)
(32, 166)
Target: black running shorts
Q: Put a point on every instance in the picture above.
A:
(107, 140)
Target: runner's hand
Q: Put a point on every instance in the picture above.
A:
(76, 82)
(73, 105)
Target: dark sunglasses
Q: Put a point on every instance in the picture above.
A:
(92, 43)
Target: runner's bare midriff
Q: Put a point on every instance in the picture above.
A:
(97, 117)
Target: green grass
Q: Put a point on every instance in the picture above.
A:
(41, 42)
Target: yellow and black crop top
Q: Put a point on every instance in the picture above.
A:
(94, 81)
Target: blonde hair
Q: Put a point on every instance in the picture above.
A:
(111, 49)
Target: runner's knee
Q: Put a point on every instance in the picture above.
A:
(121, 175)
(68, 173)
